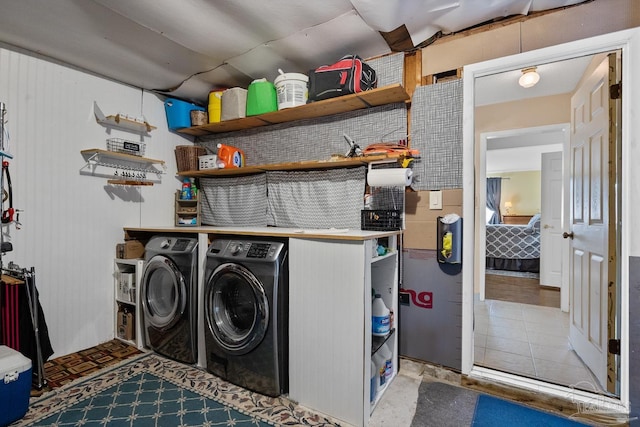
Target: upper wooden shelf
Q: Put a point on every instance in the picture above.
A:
(291, 166)
(342, 104)
(125, 123)
(121, 121)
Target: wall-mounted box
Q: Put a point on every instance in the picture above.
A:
(449, 239)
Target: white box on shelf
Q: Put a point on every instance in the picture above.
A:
(208, 162)
(126, 286)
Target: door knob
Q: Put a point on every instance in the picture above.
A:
(567, 235)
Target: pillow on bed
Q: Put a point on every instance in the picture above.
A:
(534, 223)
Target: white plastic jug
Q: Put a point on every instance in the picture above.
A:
(387, 356)
(380, 317)
(381, 366)
(374, 382)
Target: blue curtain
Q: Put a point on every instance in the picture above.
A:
(493, 199)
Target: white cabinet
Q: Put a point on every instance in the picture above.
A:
(330, 341)
(127, 274)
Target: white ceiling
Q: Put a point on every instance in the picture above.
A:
(555, 78)
(186, 48)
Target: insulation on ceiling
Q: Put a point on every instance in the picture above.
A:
(189, 47)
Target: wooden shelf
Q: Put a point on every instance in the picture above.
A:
(128, 182)
(292, 166)
(128, 124)
(135, 168)
(342, 104)
(121, 121)
(103, 157)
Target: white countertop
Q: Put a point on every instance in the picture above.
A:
(303, 233)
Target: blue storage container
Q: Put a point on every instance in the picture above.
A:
(179, 113)
(15, 385)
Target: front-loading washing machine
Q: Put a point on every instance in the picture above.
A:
(169, 297)
(246, 313)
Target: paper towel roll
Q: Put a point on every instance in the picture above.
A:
(397, 177)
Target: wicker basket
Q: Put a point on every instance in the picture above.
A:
(187, 157)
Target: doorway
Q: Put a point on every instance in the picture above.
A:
(471, 272)
(520, 327)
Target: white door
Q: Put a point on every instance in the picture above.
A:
(589, 221)
(551, 243)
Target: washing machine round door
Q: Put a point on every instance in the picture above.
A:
(236, 308)
(164, 292)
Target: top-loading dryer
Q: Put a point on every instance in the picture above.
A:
(169, 297)
(246, 313)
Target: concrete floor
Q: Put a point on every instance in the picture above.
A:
(398, 405)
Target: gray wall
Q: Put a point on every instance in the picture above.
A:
(634, 337)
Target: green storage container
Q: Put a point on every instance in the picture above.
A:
(261, 98)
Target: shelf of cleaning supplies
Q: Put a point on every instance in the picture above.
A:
(293, 166)
(342, 104)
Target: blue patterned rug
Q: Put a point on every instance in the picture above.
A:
(150, 390)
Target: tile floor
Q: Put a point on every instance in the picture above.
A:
(528, 340)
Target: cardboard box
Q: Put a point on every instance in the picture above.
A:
(421, 223)
(130, 249)
(15, 385)
(126, 329)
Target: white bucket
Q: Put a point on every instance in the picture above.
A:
(292, 89)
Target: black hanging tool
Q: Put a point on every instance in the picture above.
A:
(354, 149)
(7, 214)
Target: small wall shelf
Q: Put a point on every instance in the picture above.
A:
(122, 122)
(187, 211)
(119, 160)
(371, 98)
(135, 168)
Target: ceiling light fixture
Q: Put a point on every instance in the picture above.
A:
(529, 77)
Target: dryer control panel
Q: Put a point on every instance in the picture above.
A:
(246, 249)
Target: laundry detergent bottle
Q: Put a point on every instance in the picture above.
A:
(380, 317)
(185, 194)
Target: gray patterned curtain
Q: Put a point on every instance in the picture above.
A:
(494, 186)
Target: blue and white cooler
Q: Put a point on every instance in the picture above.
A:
(15, 385)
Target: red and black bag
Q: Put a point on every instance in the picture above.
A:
(349, 75)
